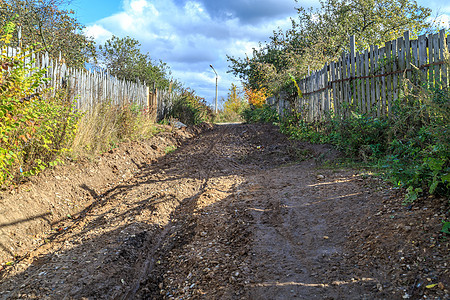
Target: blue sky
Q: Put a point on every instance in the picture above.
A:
(189, 35)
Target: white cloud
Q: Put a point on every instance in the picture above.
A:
(97, 32)
(189, 36)
(442, 21)
(138, 7)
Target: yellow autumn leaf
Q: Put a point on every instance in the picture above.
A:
(430, 286)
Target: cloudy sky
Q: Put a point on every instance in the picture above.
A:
(189, 35)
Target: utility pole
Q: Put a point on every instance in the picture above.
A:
(215, 109)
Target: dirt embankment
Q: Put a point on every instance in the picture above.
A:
(238, 212)
(31, 211)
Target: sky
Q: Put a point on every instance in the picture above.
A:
(191, 35)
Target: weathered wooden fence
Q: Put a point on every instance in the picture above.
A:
(369, 82)
(90, 87)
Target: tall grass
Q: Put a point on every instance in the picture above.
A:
(107, 125)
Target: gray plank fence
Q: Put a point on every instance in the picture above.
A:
(90, 87)
(369, 82)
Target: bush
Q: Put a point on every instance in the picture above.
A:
(418, 155)
(264, 114)
(190, 109)
(412, 148)
(35, 127)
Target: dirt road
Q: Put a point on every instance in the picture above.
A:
(240, 212)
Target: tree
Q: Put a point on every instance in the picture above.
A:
(123, 58)
(234, 102)
(319, 36)
(45, 22)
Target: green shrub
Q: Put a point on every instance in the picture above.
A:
(412, 148)
(190, 109)
(264, 114)
(35, 127)
(418, 154)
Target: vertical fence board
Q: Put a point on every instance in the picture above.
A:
(437, 68)
(353, 71)
(326, 86)
(388, 70)
(430, 59)
(442, 48)
(407, 47)
(367, 79)
(382, 105)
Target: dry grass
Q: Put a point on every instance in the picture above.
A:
(105, 126)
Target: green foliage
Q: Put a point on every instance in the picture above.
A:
(190, 109)
(446, 227)
(233, 106)
(264, 114)
(321, 35)
(55, 29)
(170, 149)
(123, 58)
(412, 148)
(419, 146)
(34, 128)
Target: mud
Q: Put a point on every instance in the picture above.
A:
(237, 212)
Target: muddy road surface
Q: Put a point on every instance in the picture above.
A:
(239, 212)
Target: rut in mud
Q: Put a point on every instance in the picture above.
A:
(238, 212)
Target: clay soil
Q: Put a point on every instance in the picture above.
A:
(236, 212)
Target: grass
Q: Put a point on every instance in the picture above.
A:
(104, 127)
(170, 149)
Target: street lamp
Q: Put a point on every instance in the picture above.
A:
(216, 87)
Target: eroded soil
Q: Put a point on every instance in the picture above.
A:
(237, 212)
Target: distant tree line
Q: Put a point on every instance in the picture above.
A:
(321, 35)
(48, 25)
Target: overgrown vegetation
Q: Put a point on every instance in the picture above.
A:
(40, 127)
(321, 35)
(233, 107)
(36, 123)
(190, 109)
(107, 125)
(264, 114)
(412, 149)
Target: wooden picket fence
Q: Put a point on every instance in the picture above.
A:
(86, 88)
(369, 82)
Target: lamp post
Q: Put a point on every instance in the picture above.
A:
(215, 110)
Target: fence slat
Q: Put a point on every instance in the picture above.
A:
(442, 46)
(370, 81)
(382, 105)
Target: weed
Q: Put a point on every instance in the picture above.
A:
(107, 125)
(170, 149)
